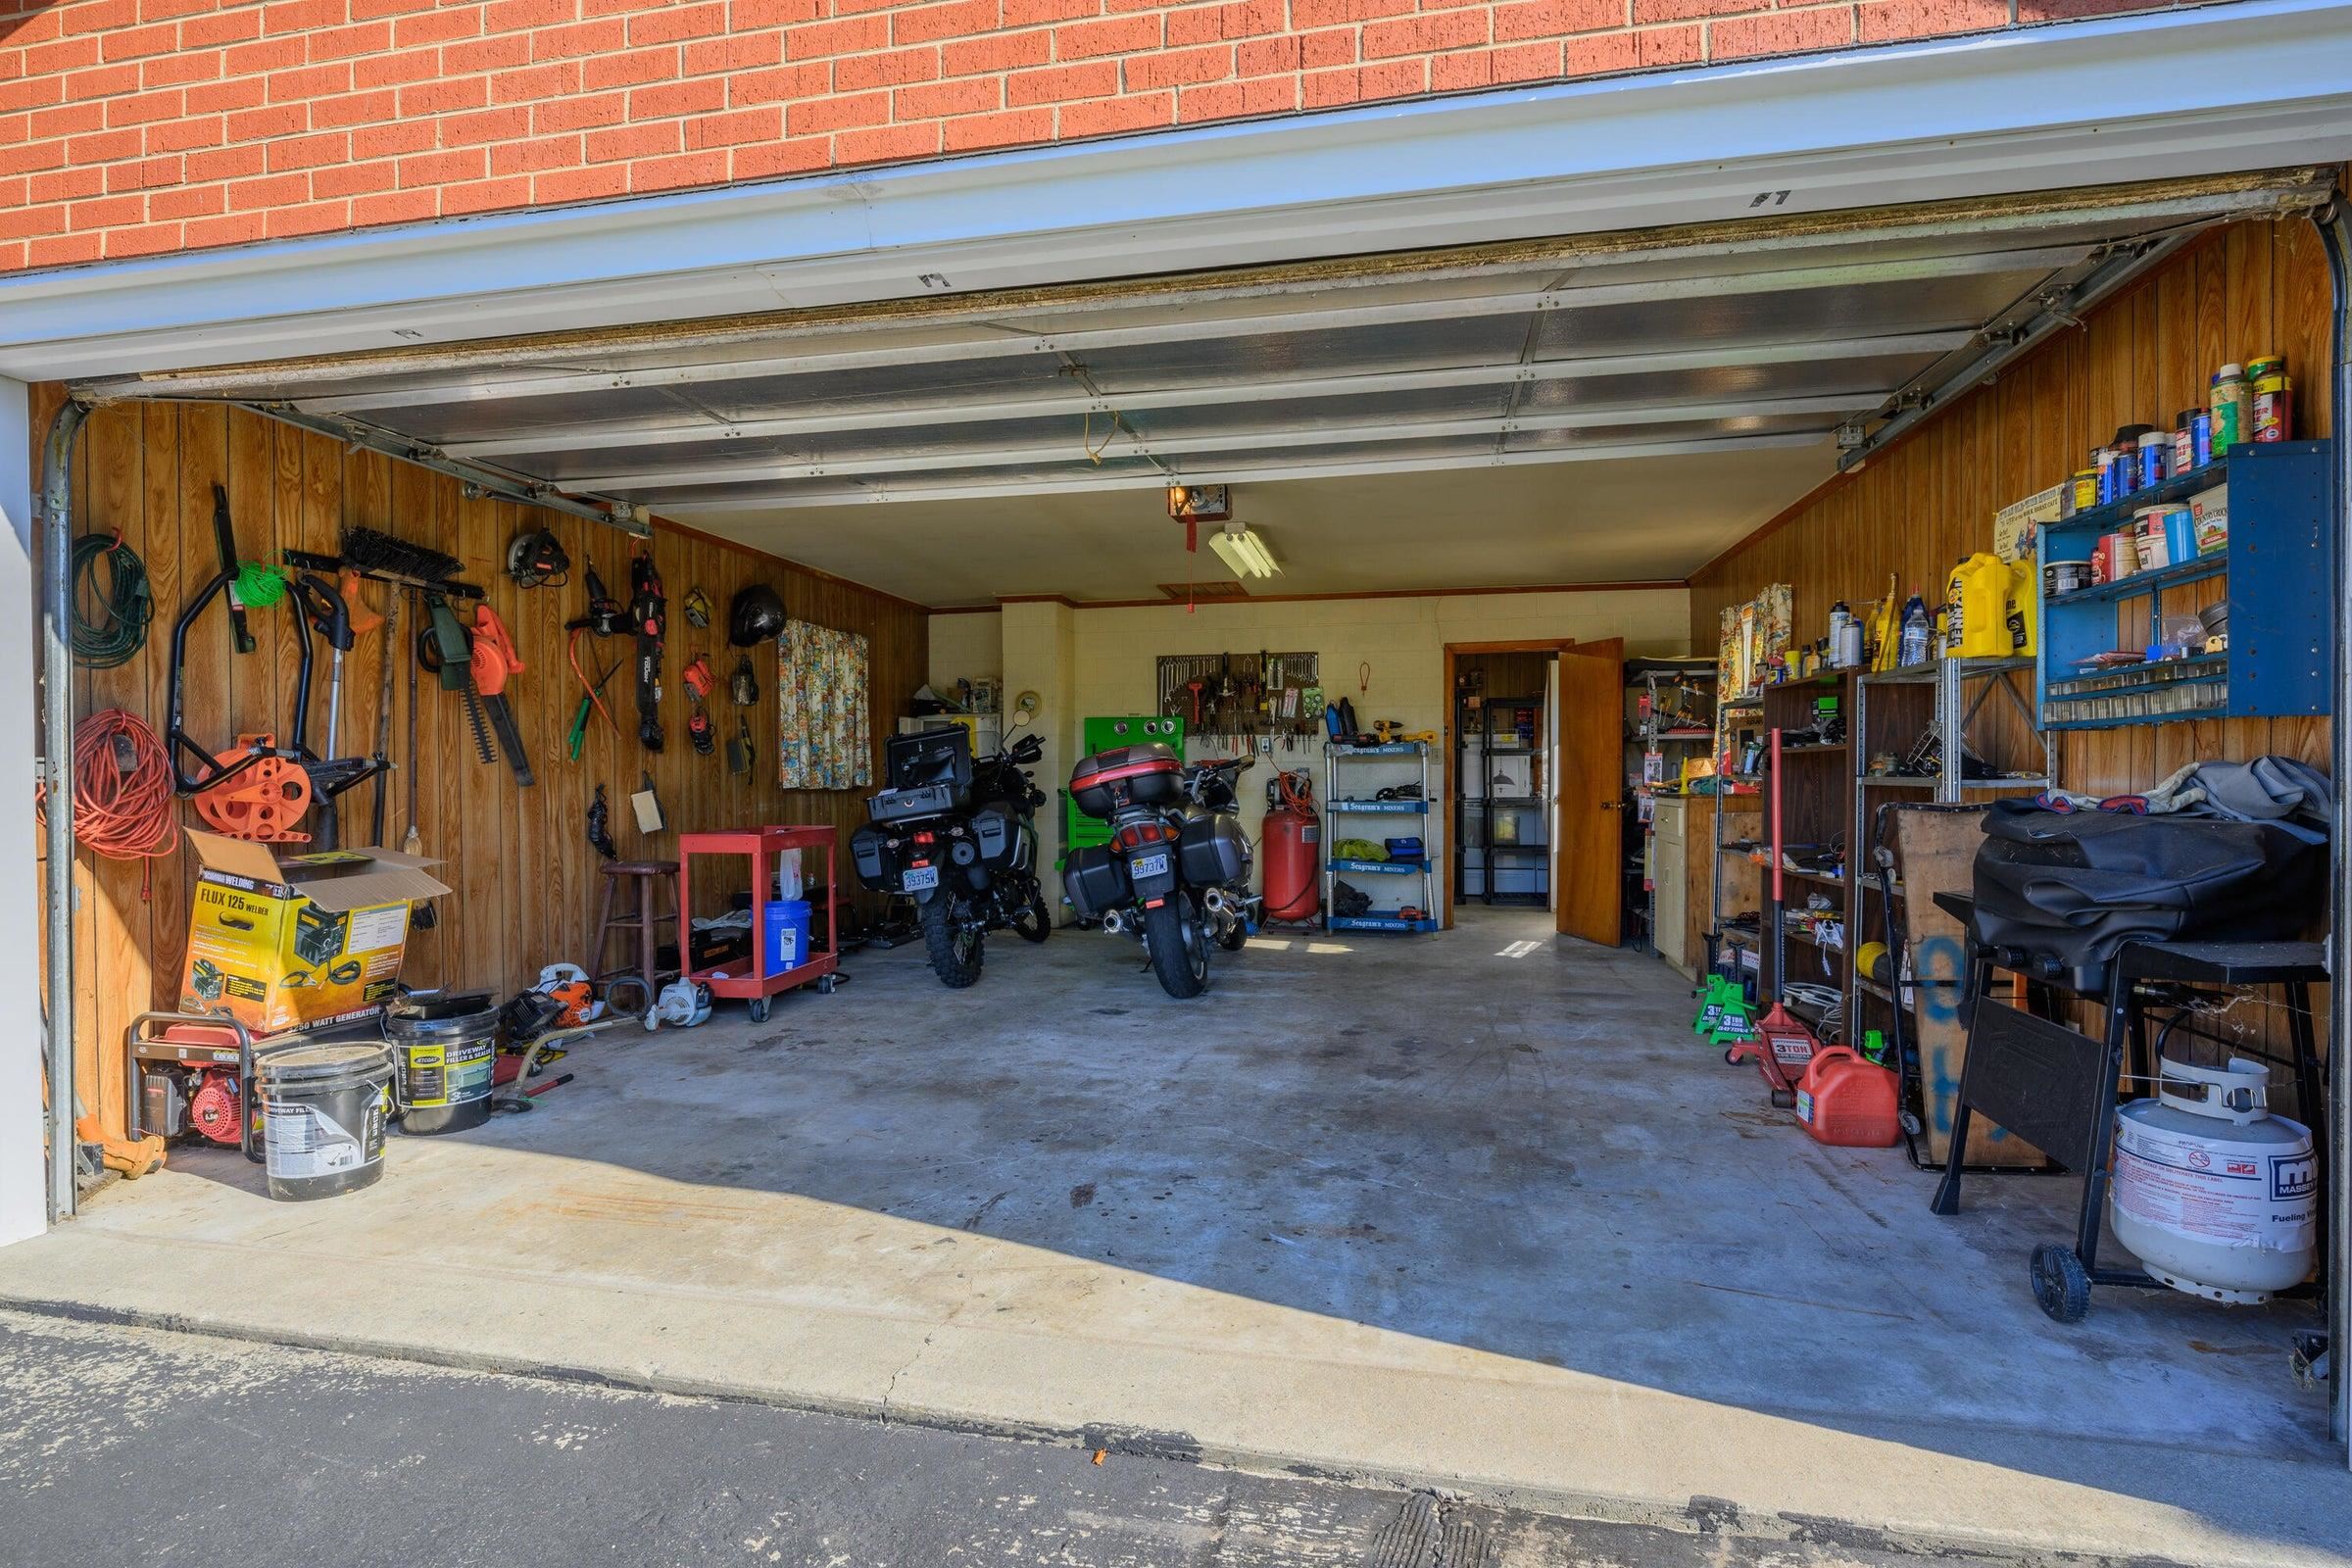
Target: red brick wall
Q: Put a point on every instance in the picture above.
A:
(134, 126)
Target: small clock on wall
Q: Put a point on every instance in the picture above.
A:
(1200, 503)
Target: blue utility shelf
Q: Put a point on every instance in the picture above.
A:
(1377, 807)
(2279, 561)
(1377, 922)
(1383, 867)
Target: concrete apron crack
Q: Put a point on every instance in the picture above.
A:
(890, 1390)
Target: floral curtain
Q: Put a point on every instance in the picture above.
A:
(825, 733)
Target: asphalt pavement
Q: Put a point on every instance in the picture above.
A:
(122, 1445)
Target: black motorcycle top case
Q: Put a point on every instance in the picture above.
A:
(1142, 775)
(1216, 851)
(941, 756)
(1094, 880)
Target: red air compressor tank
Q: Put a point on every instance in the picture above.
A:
(1291, 849)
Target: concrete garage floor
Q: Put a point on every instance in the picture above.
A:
(1474, 1210)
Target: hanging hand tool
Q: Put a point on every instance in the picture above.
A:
(648, 614)
(240, 637)
(362, 621)
(697, 676)
(494, 663)
(740, 750)
(443, 648)
(592, 698)
(420, 913)
(330, 618)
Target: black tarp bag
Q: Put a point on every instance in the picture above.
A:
(2065, 890)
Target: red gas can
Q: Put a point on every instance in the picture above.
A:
(1291, 841)
(1846, 1102)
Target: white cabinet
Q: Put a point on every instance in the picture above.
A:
(1670, 879)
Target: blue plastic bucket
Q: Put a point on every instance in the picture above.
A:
(787, 934)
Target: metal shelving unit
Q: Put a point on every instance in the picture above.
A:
(1530, 857)
(1652, 735)
(1384, 915)
(1950, 680)
(2279, 558)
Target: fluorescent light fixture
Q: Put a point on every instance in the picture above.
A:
(1241, 549)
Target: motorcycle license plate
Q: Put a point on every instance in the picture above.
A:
(922, 877)
(1144, 865)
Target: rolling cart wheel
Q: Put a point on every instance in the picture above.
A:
(826, 982)
(1731, 1055)
(1784, 1100)
(2061, 1285)
(759, 1010)
(1910, 1123)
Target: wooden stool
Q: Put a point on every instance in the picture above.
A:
(644, 920)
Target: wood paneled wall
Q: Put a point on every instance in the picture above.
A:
(526, 880)
(1916, 509)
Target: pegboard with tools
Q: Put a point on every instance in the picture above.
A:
(1264, 699)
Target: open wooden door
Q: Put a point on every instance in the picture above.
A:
(1589, 721)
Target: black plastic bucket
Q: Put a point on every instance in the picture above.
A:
(444, 1054)
(322, 1117)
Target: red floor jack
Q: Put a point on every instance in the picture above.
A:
(1784, 1046)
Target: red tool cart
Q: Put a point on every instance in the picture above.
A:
(765, 845)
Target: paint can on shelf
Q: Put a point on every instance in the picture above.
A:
(322, 1117)
(2062, 577)
(2155, 447)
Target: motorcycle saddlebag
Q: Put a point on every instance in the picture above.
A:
(869, 852)
(1216, 851)
(1094, 880)
(1004, 842)
(2068, 890)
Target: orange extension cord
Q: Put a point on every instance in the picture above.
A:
(122, 814)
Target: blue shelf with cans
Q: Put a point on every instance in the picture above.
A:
(1396, 758)
(2278, 557)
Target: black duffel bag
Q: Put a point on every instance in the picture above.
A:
(2063, 891)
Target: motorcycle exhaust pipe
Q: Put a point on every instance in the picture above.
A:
(1216, 900)
(1114, 921)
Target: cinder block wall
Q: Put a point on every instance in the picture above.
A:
(129, 127)
(1115, 663)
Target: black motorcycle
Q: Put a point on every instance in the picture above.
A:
(1176, 871)
(959, 841)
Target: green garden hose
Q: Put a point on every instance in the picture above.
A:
(107, 635)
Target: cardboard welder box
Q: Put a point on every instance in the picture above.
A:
(297, 941)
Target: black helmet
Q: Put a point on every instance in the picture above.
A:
(755, 615)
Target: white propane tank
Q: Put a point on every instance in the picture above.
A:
(2212, 1193)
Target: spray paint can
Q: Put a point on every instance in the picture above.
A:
(1846, 637)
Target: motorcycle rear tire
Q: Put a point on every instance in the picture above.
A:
(956, 954)
(1033, 922)
(1179, 948)
(1233, 936)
